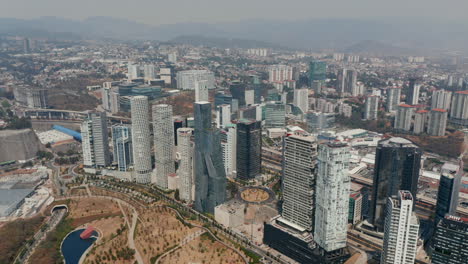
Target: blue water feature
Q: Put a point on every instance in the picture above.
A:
(73, 246)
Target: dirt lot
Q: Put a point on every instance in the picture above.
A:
(87, 209)
(203, 250)
(158, 229)
(112, 247)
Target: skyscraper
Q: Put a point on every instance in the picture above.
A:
(249, 149)
(249, 97)
(459, 108)
(223, 115)
(275, 115)
(397, 164)
(441, 99)
(317, 71)
(123, 150)
(301, 99)
(412, 93)
(341, 81)
(141, 138)
(404, 117)
(420, 120)
(332, 193)
(149, 72)
(393, 98)
(95, 140)
(351, 83)
(450, 241)
(185, 149)
(237, 90)
(401, 230)
(229, 146)
(201, 90)
(210, 176)
(372, 108)
(299, 177)
(437, 122)
(133, 71)
(448, 193)
(163, 129)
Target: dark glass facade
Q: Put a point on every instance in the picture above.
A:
(210, 176)
(397, 165)
(450, 241)
(298, 249)
(317, 71)
(237, 90)
(249, 149)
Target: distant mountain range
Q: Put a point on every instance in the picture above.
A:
(395, 35)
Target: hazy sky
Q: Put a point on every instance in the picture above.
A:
(172, 11)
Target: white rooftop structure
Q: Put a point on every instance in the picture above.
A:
(52, 136)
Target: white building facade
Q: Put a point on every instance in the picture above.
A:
(332, 203)
(141, 139)
(163, 129)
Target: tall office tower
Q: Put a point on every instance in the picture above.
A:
(249, 149)
(163, 129)
(221, 98)
(149, 72)
(459, 108)
(185, 149)
(301, 99)
(317, 72)
(437, 122)
(95, 140)
(341, 81)
(133, 71)
(229, 146)
(351, 83)
(401, 230)
(332, 196)
(449, 80)
(210, 176)
(167, 75)
(404, 117)
(249, 97)
(448, 194)
(141, 139)
(26, 45)
(122, 141)
(412, 93)
(393, 99)
(299, 172)
(280, 73)
(420, 120)
(201, 90)
(275, 115)
(372, 108)
(237, 90)
(223, 115)
(397, 164)
(441, 99)
(450, 241)
(186, 80)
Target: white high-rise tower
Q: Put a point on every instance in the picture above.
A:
(141, 139)
(163, 129)
(332, 192)
(401, 230)
(185, 172)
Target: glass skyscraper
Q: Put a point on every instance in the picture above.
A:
(317, 71)
(210, 176)
(122, 141)
(397, 165)
(249, 149)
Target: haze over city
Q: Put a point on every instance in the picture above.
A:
(241, 132)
